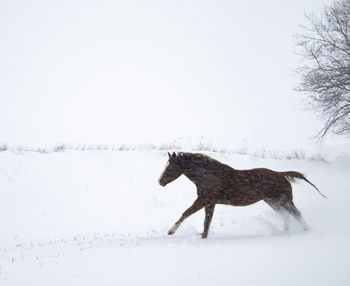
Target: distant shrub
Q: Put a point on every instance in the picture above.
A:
(3, 147)
(318, 157)
(59, 148)
(296, 154)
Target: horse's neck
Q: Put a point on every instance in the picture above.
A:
(197, 174)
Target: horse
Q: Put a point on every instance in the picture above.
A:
(218, 183)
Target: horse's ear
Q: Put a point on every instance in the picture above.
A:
(174, 155)
(169, 155)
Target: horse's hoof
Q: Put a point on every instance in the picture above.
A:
(204, 235)
(171, 232)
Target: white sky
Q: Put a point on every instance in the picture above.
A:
(147, 71)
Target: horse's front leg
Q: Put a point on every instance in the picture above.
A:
(209, 211)
(196, 206)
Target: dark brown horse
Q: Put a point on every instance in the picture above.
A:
(218, 183)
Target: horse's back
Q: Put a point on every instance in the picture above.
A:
(245, 187)
(272, 183)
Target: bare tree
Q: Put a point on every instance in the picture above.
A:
(325, 72)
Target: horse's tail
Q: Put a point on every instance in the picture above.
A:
(291, 176)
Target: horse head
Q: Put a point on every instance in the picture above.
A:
(171, 171)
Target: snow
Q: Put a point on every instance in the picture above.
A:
(100, 218)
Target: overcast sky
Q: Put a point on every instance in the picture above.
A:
(151, 71)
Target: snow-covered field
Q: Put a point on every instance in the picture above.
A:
(100, 218)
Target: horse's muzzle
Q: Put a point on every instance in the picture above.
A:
(161, 183)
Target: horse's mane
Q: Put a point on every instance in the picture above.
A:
(199, 159)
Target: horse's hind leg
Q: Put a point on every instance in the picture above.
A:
(274, 204)
(209, 211)
(196, 206)
(289, 206)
